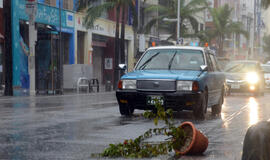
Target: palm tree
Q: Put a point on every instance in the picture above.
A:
(224, 26)
(93, 12)
(188, 11)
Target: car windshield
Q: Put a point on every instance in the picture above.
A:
(266, 68)
(171, 59)
(240, 67)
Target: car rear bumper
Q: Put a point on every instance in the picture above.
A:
(173, 100)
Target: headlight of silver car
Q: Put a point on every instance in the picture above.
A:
(129, 84)
(184, 85)
(252, 78)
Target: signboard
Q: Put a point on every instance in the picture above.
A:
(108, 63)
(180, 41)
(141, 43)
(70, 19)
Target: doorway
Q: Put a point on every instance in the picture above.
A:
(80, 47)
(98, 64)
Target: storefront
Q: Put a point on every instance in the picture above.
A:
(47, 46)
(100, 46)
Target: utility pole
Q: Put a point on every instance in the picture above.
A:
(139, 14)
(178, 22)
(8, 49)
(31, 9)
(60, 51)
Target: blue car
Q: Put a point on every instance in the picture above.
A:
(177, 77)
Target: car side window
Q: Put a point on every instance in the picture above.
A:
(214, 63)
(209, 63)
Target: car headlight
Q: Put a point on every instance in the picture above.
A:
(184, 85)
(252, 78)
(127, 84)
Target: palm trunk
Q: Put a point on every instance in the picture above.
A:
(116, 48)
(122, 41)
(221, 45)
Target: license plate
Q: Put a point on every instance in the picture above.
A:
(235, 86)
(153, 100)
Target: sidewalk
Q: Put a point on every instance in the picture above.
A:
(97, 98)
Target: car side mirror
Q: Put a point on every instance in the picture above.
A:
(204, 67)
(122, 66)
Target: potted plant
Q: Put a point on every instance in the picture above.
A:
(194, 142)
(185, 139)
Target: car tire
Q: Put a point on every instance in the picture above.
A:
(216, 109)
(126, 110)
(199, 111)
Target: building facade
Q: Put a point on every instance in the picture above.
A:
(94, 48)
(48, 24)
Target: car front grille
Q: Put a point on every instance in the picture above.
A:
(156, 85)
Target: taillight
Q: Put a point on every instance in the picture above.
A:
(120, 84)
(195, 86)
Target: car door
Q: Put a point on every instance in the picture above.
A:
(210, 80)
(219, 79)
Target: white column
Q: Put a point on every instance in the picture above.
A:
(31, 58)
(76, 46)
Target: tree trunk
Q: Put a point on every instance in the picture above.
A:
(116, 48)
(122, 41)
(8, 49)
(220, 48)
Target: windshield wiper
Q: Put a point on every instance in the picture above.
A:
(146, 62)
(170, 64)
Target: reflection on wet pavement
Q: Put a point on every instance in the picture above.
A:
(253, 111)
(73, 128)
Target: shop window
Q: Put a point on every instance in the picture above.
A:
(68, 4)
(50, 2)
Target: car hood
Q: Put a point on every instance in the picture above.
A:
(162, 74)
(235, 76)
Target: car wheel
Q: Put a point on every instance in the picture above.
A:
(200, 111)
(216, 109)
(126, 110)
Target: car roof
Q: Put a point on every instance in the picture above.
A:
(178, 47)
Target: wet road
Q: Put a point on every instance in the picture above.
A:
(75, 126)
